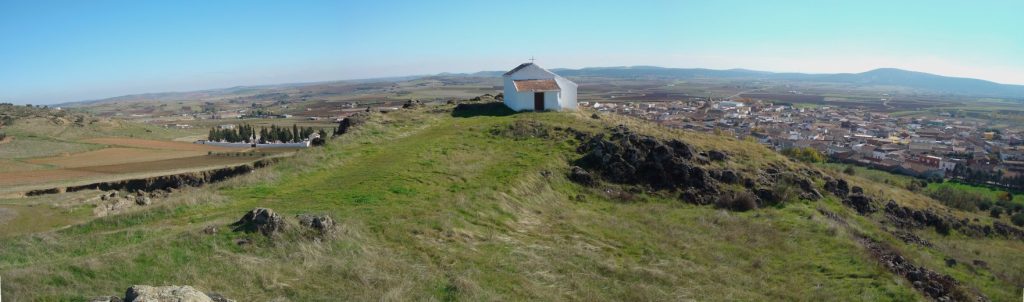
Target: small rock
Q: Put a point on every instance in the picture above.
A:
(210, 230)
(581, 176)
(979, 263)
(320, 223)
(107, 298)
(143, 200)
(950, 262)
(218, 297)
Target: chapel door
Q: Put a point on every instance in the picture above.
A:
(538, 101)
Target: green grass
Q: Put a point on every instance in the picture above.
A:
(878, 176)
(433, 207)
(991, 194)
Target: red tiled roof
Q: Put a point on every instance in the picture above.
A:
(536, 85)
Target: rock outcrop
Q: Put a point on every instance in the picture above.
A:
(354, 120)
(934, 285)
(172, 293)
(630, 158)
(626, 157)
(905, 217)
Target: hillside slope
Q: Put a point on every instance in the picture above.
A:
(480, 207)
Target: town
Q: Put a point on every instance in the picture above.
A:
(933, 148)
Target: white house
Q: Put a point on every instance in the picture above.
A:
(530, 87)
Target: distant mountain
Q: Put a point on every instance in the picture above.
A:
(877, 77)
(926, 81)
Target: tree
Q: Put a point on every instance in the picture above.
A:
(295, 133)
(214, 135)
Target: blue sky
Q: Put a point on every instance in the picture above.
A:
(57, 51)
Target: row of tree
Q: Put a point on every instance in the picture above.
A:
(274, 134)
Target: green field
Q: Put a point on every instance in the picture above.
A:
(433, 207)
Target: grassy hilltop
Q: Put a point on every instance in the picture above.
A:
(478, 206)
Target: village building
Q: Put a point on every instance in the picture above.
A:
(530, 87)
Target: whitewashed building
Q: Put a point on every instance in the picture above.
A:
(530, 87)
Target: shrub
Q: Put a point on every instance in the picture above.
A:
(985, 205)
(806, 154)
(739, 201)
(961, 199)
(996, 212)
(849, 170)
(1004, 196)
(913, 186)
(1018, 219)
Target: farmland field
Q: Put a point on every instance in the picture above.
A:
(156, 144)
(47, 163)
(112, 156)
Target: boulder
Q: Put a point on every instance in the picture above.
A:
(320, 223)
(860, 202)
(839, 187)
(143, 200)
(716, 155)
(728, 176)
(262, 220)
(410, 104)
(146, 293)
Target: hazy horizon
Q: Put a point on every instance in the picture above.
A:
(69, 51)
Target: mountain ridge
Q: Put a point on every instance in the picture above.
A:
(876, 77)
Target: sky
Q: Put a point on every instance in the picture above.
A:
(60, 51)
